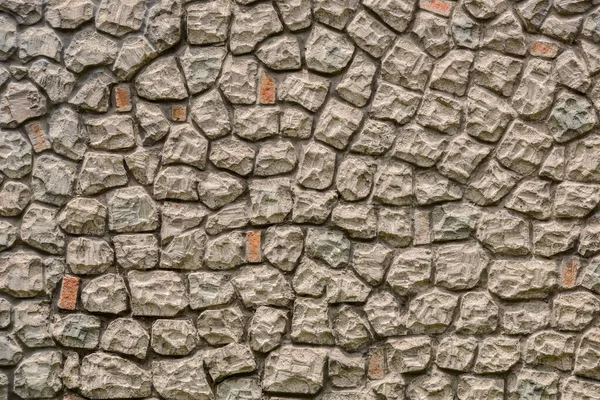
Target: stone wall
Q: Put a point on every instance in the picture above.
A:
(325, 199)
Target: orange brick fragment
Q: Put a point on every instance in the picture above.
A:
(122, 98)
(440, 7)
(68, 293)
(37, 136)
(267, 90)
(568, 273)
(253, 247)
(377, 364)
(544, 49)
(179, 113)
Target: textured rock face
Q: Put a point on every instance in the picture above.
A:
(285, 199)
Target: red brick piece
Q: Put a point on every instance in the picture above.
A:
(253, 247)
(441, 7)
(68, 293)
(179, 113)
(37, 136)
(377, 363)
(122, 95)
(568, 273)
(267, 90)
(544, 49)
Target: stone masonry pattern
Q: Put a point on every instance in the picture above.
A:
(300, 199)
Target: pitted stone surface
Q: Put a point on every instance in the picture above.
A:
(358, 199)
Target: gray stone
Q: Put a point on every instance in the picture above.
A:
(164, 24)
(32, 323)
(176, 183)
(185, 251)
(181, 379)
(101, 171)
(497, 354)
(8, 236)
(232, 216)
(485, 9)
(311, 206)
(369, 34)
(350, 329)
(498, 72)
(434, 32)
(431, 187)
(571, 71)
(283, 366)
(178, 218)
(571, 117)
(225, 252)
(10, 351)
(39, 41)
(478, 314)
(157, 293)
(453, 221)
(266, 329)
(504, 233)
(371, 261)
(304, 88)
(461, 158)
(406, 65)
(431, 312)
(532, 279)
(38, 376)
(311, 278)
(394, 226)
(552, 349)
(345, 287)
(207, 23)
(440, 112)
(120, 17)
(116, 132)
(310, 322)
(419, 146)
(173, 337)
(525, 318)
(327, 51)
(474, 387)
(233, 155)
(89, 48)
(229, 360)
(79, 331)
(554, 165)
(70, 371)
(275, 158)
(66, 134)
(355, 86)
(53, 179)
(394, 103)
(185, 145)
(210, 113)
(345, 371)
(335, 14)
(337, 124)
(456, 353)
(39, 229)
(56, 81)
(396, 14)
(21, 274)
(330, 246)
(201, 66)
(296, 14)
(161, 80)
(104, 376)
(435, 385)
(504, 33)
(221, 326)
(529, 382)
(16, 157)
(465, 31)
(533, 198)
(295, 123)
(132, 210)
(534, 95)
(575, 200)
(89, 256)
(410, 271)
(573, 388)
(490, 184)
(8, 35)
(208, 289)
(125, 336)
(581, 165)
(238, 80)
(531, 142)
(355, 178)
(573, 311)
(68, 14)
(143, 165)
(384, 313)
(261, 285)
(487, 114)
(241, 388)
(280, 53)
(105, 294)
(252, 25)
(317, 166)
(374, 138)
(255, 123)
(459, 266)
(135, 52)
(283, 246)
(586, 362)
(451, 73)
(270, 200)
(94, 94)
(551, 238)
(532, 13)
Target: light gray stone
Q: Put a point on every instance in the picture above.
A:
(56, 81)
(459, 266)
(181, 379)
(266, 329)
(221, 326)
(89, 48)
(462, 156)
(125, 336)
(68, 14)
(431, 312)
(40, 230)
(157, 293)
(532, 279)
(317, 166)
(79, 331)
(497, 354)
(280, 53)
(552, 349)
(16, 157)
(456, 353)
(105, 294)
(406, 64)
(310, 322)
(296, 14)
(369, 34)
(120, 17)
(229, 360)
(135, 52)
(201, 66)
(571, 117)
(252, 25)
(38, 376)
(207, 23)
(101, 171)
(115, 132)
(473, 387)
(304, 88)
(176, 183)
(283, 366)
(161, 80)
(173, 337)
(394, 103)
(262, 285)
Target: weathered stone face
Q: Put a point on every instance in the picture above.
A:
(284, 199)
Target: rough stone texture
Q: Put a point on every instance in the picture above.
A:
(333, 199)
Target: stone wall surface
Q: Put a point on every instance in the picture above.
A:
(325, 199)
